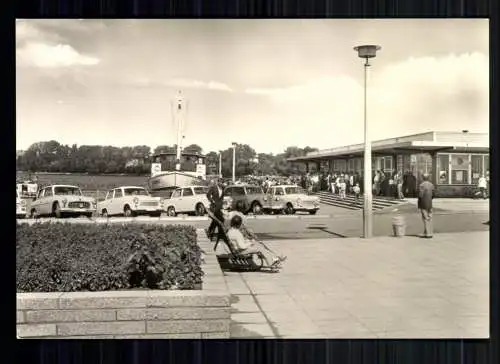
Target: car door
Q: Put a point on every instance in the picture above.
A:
(269, 197)
(37, 203)
(48, 200)
(187, 200)
(104, 204)
(175, 199)
(117, 201)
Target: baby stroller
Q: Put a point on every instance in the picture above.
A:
(235, 261)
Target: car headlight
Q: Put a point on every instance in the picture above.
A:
(135, 200)
(299, 201)
(23, 203)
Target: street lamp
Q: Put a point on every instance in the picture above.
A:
(367, 52)
(234, 161)
(220, 164)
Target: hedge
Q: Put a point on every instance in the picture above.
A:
(60, 257)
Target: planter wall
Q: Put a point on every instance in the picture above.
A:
(131, 314)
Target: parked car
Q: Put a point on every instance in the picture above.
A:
(60, 201)
(290, 199)
(130, 201)
(20, 206)
(253, 196)
(187, 200)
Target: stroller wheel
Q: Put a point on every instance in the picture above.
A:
(255, 261)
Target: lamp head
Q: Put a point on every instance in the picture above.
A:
(367, 51)
(234, 144)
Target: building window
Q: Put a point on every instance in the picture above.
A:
(486, 163)
(477, 167)
(388, 165)
(460, 164)
(443, 167)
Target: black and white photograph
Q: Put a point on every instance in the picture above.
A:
(252, 178)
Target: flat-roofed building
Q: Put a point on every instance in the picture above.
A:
(454, 160)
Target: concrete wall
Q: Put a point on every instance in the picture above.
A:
(131, 314)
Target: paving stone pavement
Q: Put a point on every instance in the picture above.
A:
(379, 288)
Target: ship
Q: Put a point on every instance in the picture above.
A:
(170, 170)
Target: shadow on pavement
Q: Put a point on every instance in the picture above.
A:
(239, 330)
(324, 229)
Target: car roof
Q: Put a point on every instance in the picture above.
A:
(72, 186)
(191, 186)
(129, 187)
(285, 186)
(243, 185)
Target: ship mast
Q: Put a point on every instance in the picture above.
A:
(179, 108)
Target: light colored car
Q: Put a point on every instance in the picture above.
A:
(20, 206)
(130, 201)
(289, 199)
(60, 201)
(249, 195)
(188, 200)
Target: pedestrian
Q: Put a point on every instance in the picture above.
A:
(356, 191)
(215, 196)
(425, 196)
(482, 184)
(399, 185)
(342, 186)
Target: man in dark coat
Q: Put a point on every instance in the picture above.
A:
(425, 195)
(215, 195)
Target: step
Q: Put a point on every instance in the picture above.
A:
(353, 201)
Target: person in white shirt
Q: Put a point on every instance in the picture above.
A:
(247, 246)
(241, 206)
(482, 185)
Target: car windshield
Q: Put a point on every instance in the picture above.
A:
(135, 192)
(67, 191)
(200, 190)
(294, 190)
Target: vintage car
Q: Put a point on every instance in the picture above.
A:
(20, 206)
(130, 201)
(60, 201)
(289, 199)
(252, 196)
(188, 200)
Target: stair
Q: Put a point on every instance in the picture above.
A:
(350, 203)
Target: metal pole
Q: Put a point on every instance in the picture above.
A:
(234, 163)
(367, 210)
(220, 165)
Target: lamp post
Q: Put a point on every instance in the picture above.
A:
(234, 162)
(367, 52)
(220, 164)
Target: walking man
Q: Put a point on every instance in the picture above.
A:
(215, 196)
(425, 195)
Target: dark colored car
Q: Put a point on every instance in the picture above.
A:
(252, 195)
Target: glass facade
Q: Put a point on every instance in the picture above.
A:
(461, 168)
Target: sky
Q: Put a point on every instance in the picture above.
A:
(267, 83)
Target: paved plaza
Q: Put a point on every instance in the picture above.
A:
(384, 287)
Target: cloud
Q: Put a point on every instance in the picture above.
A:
(39, 47)
(183, 83)
(411, 96)
(52, 56)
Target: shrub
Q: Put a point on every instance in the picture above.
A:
(60, 257)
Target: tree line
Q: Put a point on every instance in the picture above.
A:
(51, 156)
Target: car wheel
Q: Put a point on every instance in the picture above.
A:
(256, 208)
(171, 211)
(313, 212)
(33, 214)
(127, 212)
(200, 209)
(104, 213)
(289, 209)
(56, 210)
